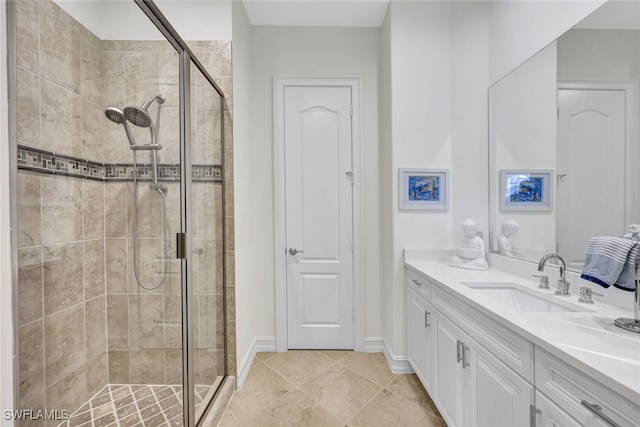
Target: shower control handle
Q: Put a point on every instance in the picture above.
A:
(293, 251)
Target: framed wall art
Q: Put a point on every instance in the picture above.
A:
(425, 189)
(525, 190)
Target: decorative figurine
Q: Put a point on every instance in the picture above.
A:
(509, 229)
(471, 253)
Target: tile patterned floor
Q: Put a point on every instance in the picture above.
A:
(328, 388)
(120, 405)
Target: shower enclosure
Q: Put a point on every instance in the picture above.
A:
(122, 234)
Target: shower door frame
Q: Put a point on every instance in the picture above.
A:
(186, 58)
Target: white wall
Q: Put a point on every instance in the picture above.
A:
(306, 51)
(6, 298)
(247, 305)
(519, 29)
(421, 132)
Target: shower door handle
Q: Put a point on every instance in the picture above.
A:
(294, 251)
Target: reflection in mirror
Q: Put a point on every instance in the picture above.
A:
(569, 109)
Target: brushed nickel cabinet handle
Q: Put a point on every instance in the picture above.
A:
(597, 409)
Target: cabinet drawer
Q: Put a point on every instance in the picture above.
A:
(512, 349)
(568, 388)
(419, 283)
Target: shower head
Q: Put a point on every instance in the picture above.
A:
(159, 98)
(138, 116)
(117, 116)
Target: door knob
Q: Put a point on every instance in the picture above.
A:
(293, 251)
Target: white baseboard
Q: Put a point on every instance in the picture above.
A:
(258, 345)
(397, 364)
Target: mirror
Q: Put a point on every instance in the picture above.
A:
(563, 141)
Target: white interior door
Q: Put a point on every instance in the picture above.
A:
(319, 219)
(591, 168)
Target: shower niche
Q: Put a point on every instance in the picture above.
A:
(123, 272)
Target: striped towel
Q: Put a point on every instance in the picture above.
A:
(611, 261)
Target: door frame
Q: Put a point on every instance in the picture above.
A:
(279, 84)
(632, 151)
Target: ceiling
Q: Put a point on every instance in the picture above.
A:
(326, 13)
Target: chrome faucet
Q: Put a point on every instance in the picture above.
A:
(563, 285)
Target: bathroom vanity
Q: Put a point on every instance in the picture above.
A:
(494, 350)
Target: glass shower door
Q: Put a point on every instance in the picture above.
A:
(207, 240)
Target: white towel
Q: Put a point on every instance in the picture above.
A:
(611, 261)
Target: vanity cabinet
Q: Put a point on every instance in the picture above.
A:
(471, 386)
(548, 414)
(480, 373)
(420, 340)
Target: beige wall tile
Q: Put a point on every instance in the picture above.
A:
(28, 108)
(62, 279)
(96, 333)
(206, 321)
(27, 35)
(146, 366)
(117, 198)
(61, 209)
(173, 366)
(30, 294)
(29, 209)
(36, 403)
(60, 119)
(172, 321)
(31, 359)
(150, 266)
(116, 265)
(95, 127)
(69, 393)
(91, 68)
(60, 52)
(169, 134)
(97, 372)
(49, 8)
(93, 209)
(119, 366)
(94, 274)
(169, 63)
(225, 60)
(146, 321)
(64, 342)
(206, 367)
(118, 321)
(141, 76)
(112, 84)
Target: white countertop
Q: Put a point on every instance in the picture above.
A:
(589, 340)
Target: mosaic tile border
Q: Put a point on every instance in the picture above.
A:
(43, 161)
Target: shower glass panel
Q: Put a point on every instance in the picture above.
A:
(207, 238)
(100, 303)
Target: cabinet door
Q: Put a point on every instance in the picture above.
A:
(420, 341)
(499, 396)
(551, 415)
(451, 377)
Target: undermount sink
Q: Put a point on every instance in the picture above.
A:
(522, 299)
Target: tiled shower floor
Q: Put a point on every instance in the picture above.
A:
(126, 405)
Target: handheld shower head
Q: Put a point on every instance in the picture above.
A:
(117, 116)
(158, 98)
(138, 116)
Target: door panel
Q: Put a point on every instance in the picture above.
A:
(450, 376)
(317, 138)
(500, 396)
(591, 168)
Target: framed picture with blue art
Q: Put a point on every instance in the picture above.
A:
(525, 190)
(424, 189)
